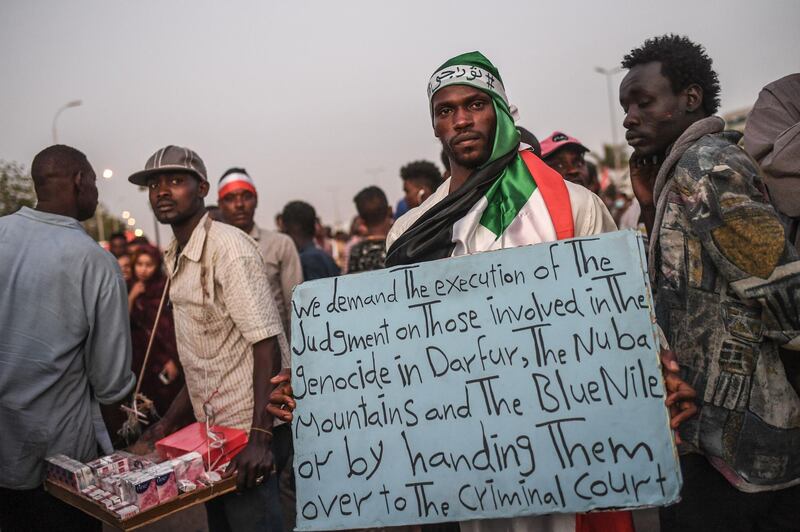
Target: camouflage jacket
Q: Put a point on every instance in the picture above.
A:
(727, 290)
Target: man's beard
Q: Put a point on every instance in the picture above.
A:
(471, 162)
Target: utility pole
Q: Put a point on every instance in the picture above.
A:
(612, 105)
(73, 103)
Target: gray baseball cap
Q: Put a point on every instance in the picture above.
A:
(170, 159)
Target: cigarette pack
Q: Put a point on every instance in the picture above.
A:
(138, 463)
(120, 461)
(209, 477)
(127, 511)
(188, 467)
(145, 490)
(102, 467)
(125, 462)
(98, 495)
(118, 505)
(107, 502)
(69, 473)
(126, 483)
(194, 466)
(112, 483)
(166, 484)
(185, 486)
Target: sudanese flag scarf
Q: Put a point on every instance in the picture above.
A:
(513, 199)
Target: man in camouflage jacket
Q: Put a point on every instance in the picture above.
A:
(727, 293)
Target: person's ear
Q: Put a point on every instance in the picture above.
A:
(202, 189)
(694, 98)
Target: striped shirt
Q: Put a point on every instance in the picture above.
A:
(284, 271)
(222, 305)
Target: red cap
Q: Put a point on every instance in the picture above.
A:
(558, 140)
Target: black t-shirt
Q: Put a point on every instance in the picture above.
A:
(367, 255)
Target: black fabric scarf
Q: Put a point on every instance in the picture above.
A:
(431, 236)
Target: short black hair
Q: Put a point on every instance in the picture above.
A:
(530, 139)
(58, 160)
(301, 215)
(372, 205)
(683, 63)
(118, 235)
(423, 172)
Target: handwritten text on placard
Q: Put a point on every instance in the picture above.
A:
(519, 382)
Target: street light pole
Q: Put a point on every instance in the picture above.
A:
(73, 103)
(98, 215)
(155, 223)
(610, 73)
(155, 230)
(98, 220)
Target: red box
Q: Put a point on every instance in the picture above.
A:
(193, 438)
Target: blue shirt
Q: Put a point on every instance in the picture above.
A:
(317, 264)
(401, 209)
(65, 339)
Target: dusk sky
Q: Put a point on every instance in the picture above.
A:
(320, 99)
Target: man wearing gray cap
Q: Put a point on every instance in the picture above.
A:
(229, 334)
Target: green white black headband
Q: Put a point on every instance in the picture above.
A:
(466, 75)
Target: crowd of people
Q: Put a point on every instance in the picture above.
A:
(82, 326)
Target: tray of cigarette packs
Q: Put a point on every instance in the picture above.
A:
(127, 491)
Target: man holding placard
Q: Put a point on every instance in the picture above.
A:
(467, 214)
(497, 197)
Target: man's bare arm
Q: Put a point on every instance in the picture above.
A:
(179, 415)
(254, 463)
